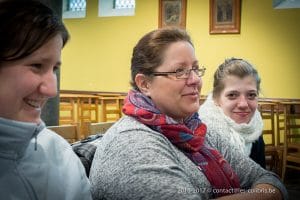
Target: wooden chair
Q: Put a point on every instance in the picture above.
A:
(291, 152)
(70, 132)
(273, 152)
(111, 107)
(88, 108)
(96, 128)
(67, 110)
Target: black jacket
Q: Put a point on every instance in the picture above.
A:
(258, 152)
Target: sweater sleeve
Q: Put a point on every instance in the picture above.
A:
(248, 171)
(139, 165)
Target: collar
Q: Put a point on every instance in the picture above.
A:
(15, 137)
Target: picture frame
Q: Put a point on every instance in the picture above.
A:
(172, 13)
(224, 16)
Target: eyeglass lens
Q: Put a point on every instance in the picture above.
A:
(186, 73)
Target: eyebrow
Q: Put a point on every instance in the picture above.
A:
(58, 63)
(184, 63)
(236, 91)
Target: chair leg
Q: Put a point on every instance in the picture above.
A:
(283, 170)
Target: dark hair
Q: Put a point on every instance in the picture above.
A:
(233, 67)
(148, 53)
(25, 25)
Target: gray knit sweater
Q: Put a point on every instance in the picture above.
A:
(134, 162)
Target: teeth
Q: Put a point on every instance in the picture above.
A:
(33, 103)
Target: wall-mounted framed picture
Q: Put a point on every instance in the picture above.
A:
(172, 13)
(224, 16)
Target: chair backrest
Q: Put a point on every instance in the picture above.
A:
(66, 111)
(291, 153)
(97, 128)
(268, 115)
(88, 108)
(292, 135)
(111, 107)
(292, 123)
(70, 132)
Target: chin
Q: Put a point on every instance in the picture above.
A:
(195, 108)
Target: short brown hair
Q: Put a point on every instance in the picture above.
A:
(148, 53)
(25, 26)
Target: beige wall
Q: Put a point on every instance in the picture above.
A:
(99, 52)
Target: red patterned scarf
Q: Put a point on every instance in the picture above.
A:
(189, 137)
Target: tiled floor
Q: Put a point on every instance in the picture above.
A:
(292, 183)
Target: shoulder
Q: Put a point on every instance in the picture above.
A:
(50, 139)
(128, 129)
(128, 135)
(61, 163)
(57, 149)
(134, 145)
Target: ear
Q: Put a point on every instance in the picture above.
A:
(142, 83)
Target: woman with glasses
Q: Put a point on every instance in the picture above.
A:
(234, 102)
(160, 149)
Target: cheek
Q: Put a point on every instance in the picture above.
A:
(227, 106)
(24, 86)
(253, 105)
(225, 103)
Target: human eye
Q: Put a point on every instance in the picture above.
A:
(180, 72)
(232, 95)
(252, 95)
(55, 69)
(36, 67)
(196, 69)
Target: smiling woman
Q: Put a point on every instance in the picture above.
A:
(33, 159)
(161, 149)
(234, 102)
(36, 82)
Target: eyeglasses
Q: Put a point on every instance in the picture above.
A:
(182, 73)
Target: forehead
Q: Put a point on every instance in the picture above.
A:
(234, 83)
(180, 52)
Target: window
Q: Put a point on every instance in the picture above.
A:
(74, 8)
(123, 4)
(108, 8)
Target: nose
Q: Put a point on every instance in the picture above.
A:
(243, 101)
(48, 86)
(193, 79)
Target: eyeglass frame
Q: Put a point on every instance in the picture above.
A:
(198, 71)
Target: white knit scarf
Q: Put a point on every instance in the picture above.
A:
(241, 135)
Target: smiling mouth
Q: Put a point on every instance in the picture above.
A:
(191, 94)
(243, 114)
(33, 103)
